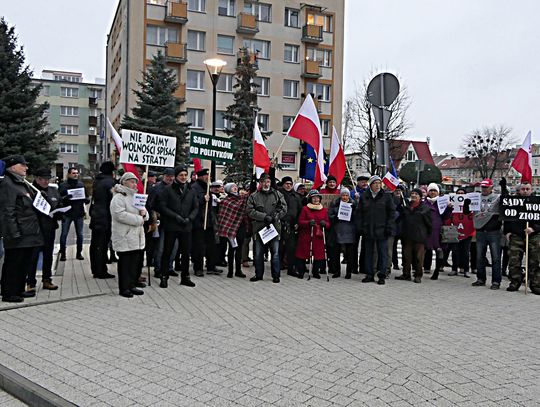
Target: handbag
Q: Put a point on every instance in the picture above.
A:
(449, 234)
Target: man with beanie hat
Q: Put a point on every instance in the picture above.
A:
(19, 226)
(331, 187)
(100, 220)
(287, 243)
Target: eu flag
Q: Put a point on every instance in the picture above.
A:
(308, 162)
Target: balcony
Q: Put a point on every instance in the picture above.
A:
(312, 33)
(92, 102)
(253, 59)
(311, 69)
(92, 157)
(176, 12)
(180, 93)
(176, 52)
(247, 24)
(92, 121)
(92, 139)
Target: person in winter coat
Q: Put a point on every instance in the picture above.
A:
(100, 220)
(312, 223)
(416, 226)
(232, 225)
(465, 226)
(376, 217)
(19, 227)
(433, 242)
(343, 234)
(266, 207)
(289, 224)
(127, 234)
(331, 187)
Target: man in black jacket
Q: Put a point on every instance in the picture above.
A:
(100, 220)
(20, 229)
(178, 207)
(74, 215)
(287, 243)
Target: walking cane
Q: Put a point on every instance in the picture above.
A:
(310, 254)
(325, 260)
(526, 257)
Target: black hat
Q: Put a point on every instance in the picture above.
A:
(107, 168)
(168, 171)
(264, 176)
(418, 191)
(15, 159)
(202, 173)
(331, 178)
(180, 168)
(286, 179)
(152, 174)
(43, 173)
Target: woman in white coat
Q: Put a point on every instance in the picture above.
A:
(127, 234)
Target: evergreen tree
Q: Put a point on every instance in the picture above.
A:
(241, 115)
(157, 110)
(22, 121)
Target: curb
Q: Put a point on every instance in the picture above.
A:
(28, 391)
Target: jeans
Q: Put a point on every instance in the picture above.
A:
(493, 239)
(260, 249)
(66, 223)
(382, 256)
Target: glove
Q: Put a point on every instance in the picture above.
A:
(467, 206)
(312, 222)
(503, 183)
(181, 220)
(66, 199)
(323, 224)
(267, 220)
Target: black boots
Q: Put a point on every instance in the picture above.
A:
(163, 282)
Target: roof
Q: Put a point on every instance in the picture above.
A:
(399, 149)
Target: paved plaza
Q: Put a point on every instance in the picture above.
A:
(299, 343)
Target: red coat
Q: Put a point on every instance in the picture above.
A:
(328, 191)
(304, 233)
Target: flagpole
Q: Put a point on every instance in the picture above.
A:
(526, 257)
(280, 146)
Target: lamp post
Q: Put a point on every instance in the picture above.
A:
(214, 67)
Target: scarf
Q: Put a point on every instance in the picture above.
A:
(314, 207)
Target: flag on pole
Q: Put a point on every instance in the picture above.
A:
(261, 160)
(127, 166)
(338, 165)
(308, 162)
(307, 127)
(523, 161)
(197, 164)
(393, 170)
(390, 181)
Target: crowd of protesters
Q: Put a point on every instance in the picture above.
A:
(189, 220)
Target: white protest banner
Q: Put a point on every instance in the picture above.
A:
(268, 233)
(139, 201)
(442, 202)
(76, 194)
(345, 211)
(41, 204)
(60, 210)
(147, 149)
(475, 198)
(458, 200)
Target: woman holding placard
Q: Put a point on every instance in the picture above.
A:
(127, 234)
(465, 227)
(341, 215)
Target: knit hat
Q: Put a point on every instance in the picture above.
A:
(297, 186)
(313, 193)
(264, 176)
(107, 168)
(228, 187)
(216, 184)
(344, 191)
(433, 186)
(330, 178)
(286, 179)
(128, 176)
(168, 171)
(373, 179)
(180, 168)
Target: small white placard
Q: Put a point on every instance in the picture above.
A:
(345, 211)
(268, 233)
(442, 202)
(233, 242)
(60, 210)
(139, 201)
(475, 198)
(41, 204)
(76, 194)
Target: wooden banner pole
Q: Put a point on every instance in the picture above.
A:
(208, 200)
(526, 257)
(149, 279)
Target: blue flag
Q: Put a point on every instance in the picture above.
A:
(393, 168)
(2, 168)
(308, 162)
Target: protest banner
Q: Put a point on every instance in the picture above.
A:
(147, 149)
(345, 211)
(458, 201)
(77, 194)
(139, 201)
(41, 204)
(212, 148)
(268, 233)
(524, 208)
(442, 203)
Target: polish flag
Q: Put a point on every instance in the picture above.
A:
(307, 127)
(197, 164)
(390, 181)
(127, 167)
(523, 161)
(338, 165)
(261, 160)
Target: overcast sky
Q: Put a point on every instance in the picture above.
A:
(466, 63)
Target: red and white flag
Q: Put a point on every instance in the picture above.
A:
(338, 165)
(523, 161)
(307, 127)
(261, 160)
(127, 167)
(390, 181)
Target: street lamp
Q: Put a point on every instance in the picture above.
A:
(214, 66)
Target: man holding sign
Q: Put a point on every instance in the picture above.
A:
(19, 227)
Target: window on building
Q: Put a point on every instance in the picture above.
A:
(410, 155)
(68, 78)
(157, 2)
(196, 40)
(225, 44)
(290, 89)
(225, 82)
(195, 80)
(287, 122)
(321, 20)
(44, 90)
(264, 85)
(323, 56)
(92, 131)
(263, 120)
(221, 122)
(69, 111)
(96, 93)
(69, 92)
(226, 8)
(263, 12)
(262, 48)
(197, 5)
(321, 91)
(292, 17)
(159, 35)
(291, 53)
(325, 127)
(68, 148)
(69, 129)
(195, 117)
